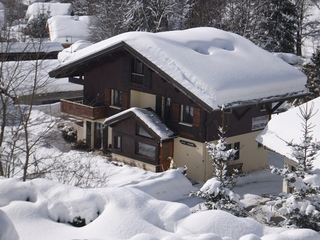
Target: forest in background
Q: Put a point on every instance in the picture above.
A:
(275, 25)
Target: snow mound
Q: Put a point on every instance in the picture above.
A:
(116, 212)
(209, 48)
(231, 226)
(249, 237)
(289, 58)
(171, 185)
(294, 234)
(120, 213)
(7, 230)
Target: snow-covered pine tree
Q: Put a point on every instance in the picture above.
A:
(37, 24)
(280, 26)
(217, 191)
(301, 208)
(312, 70)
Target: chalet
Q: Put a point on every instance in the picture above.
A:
(150, 96)
(287, 127)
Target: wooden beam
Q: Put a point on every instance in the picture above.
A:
(271, 111)
(239, 116)
(76, 80)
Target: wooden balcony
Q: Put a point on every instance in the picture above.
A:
(74, 107)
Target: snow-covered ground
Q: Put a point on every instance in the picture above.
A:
(132, 204)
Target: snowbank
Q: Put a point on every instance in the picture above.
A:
(40, 209)
(7, 229)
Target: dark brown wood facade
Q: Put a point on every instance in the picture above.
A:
(126, 141)
(115, 72)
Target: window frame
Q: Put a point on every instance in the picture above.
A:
(137, 71)
(186, 115)
(141, 132)
(117, 142)
(139, 153)
(116, 98)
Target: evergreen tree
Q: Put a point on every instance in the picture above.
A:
(312, 70)
(280, 26)
(37, 24)
(217, 191)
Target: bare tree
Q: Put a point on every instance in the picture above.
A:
(19, 79)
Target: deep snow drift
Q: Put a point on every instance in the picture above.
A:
(40, 209)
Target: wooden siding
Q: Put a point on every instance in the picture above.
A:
(126, 129)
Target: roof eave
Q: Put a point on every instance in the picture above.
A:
(64, 71)
(253, 102)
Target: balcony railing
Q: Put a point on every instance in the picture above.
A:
(74, 107)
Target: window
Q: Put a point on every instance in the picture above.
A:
(137, 71)
(116, 99)
(186, 114)
(146, 150)
(142, 132)
(117, 142)
(237, 147)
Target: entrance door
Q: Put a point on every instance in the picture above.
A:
(165, 152)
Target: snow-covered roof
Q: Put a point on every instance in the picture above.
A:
(77, 46)
(218, 68)
(150, 118)
(287, 127)
(55, 9)
(24, 47)
(69, 29)
(20, 76)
